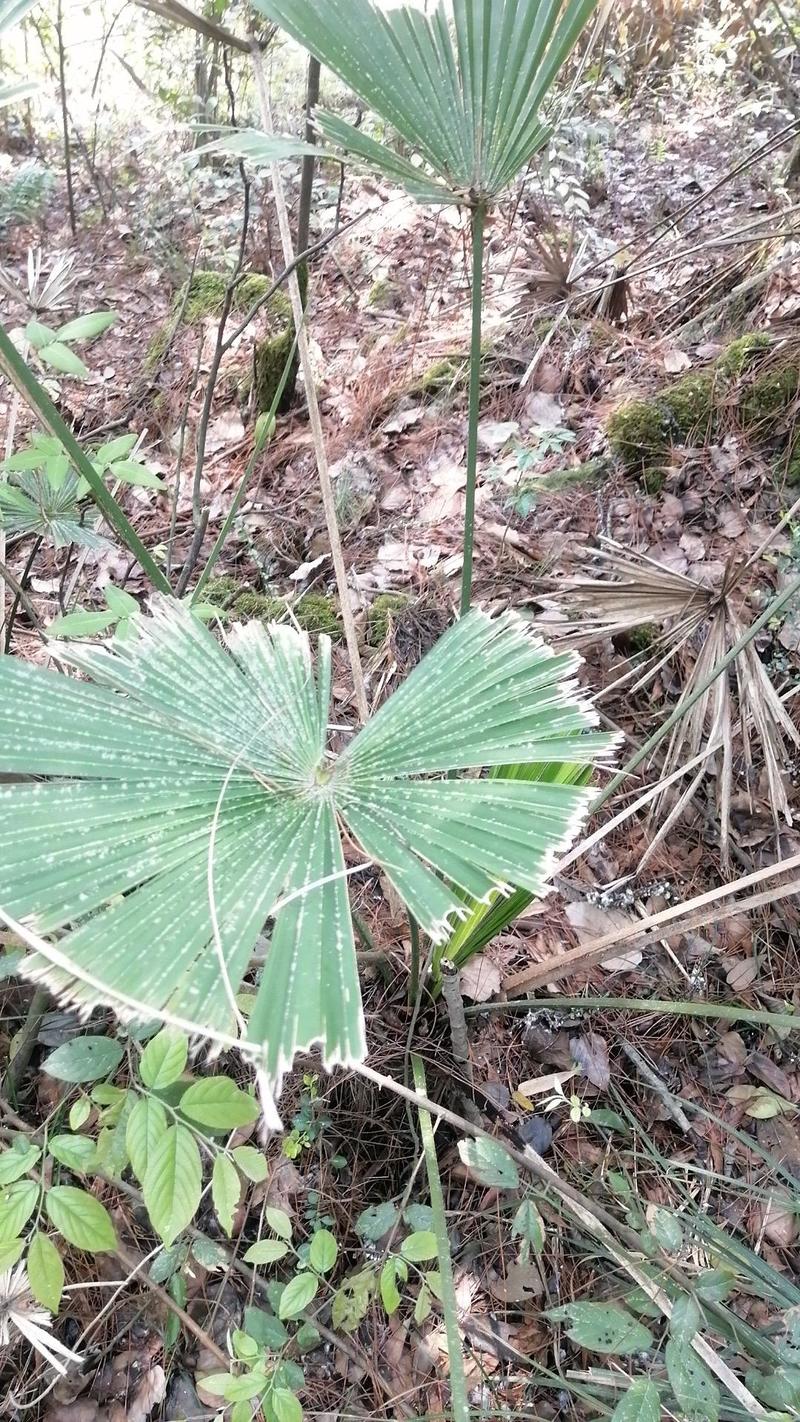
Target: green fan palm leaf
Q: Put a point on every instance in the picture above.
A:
(191, 797)
(33, 504)
(485, 920)
(466, 101)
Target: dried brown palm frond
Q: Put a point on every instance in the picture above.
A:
(740, 712)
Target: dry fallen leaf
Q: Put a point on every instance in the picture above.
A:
(590, 1051)
(148, 1395)
(480, 979)
(522, 1283)
(540, 1085)
(675, 361)
(777, 1220)
(590, 922)
(494, 434)
(741, 972)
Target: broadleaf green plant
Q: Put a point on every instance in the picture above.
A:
(13, 367)
(466, 98)
(192, 796)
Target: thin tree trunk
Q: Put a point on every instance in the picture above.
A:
(65, 117)
(309, 163)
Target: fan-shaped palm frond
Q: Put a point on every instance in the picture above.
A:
(33, 504)
(465, 98)
(696, 625)
(191, 797)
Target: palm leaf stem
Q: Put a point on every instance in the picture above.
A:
(315, 419)
(477, 231)
(459, 1397)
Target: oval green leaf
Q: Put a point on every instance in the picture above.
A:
(266, 1251)
(218, 1104)
(419, 1247)
(80, 624)
(641, 1403)
(251, 1163)
(81, 1219)
(279, 1222)
(693, 1386)
(76, 1152)
(164, 1058)
(605, 1328)
(45, 1271)
(87, 328)
(173, 1183)
(17, 1204)
(86, 1058)
(130, 472)
(324, 1251)
(18, 1160)
(146, 1127)
(298, 1294)
(226, 1188)
(62, 359)
(489, 1163)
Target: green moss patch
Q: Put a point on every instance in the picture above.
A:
(638, 433)
(314, 612)
(741, 353)
(275, 349)
(381, 614)
(690, 403)
(221, 592)
(769, 396)
(203, 296)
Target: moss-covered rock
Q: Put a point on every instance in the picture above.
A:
(274, 350)
(741, 353)
(385, 295)
(380, 615)
(638, 434)
(769, 396)
(690, 403)
(317, 613)
(221, 592)
(251, 606)
(314, 612)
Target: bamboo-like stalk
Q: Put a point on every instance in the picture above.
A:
(315, 419)
(654, 1007)
(459, 1397)
(477, 233)
(9, 450)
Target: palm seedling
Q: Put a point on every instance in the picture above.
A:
(191, 796)
(466, 100)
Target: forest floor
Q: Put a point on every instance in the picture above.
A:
(701, 1114)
